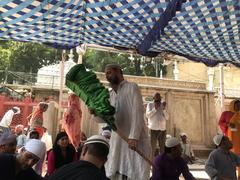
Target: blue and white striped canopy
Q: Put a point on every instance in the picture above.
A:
(201, 30)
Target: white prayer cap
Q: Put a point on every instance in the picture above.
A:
(36, 147)
(172, 142)
(19, 128)
(183, 134)
(218, 139)
(17, 109)
(106, 133)
(97, 139)
(168, 136)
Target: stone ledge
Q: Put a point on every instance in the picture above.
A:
(167, 83)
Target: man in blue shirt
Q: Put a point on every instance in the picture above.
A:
(222, 163)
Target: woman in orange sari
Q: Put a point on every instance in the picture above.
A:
(234, 130)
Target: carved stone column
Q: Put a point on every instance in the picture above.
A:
(175, 71)
(210, 72)
(221, 86)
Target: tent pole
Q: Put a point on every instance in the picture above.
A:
(81, 50)
(61, 84)
(221, 86)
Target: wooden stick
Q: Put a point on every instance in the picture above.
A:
(137, 150)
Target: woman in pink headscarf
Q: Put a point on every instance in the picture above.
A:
(72, 120)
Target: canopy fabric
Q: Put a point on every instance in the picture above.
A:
(201, 30)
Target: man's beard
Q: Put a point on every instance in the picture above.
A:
(113, 81)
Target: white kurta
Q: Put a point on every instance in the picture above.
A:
(130, 120)
(156, 120)
(7, 118)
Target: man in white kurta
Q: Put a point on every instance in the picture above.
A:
(123, 162)
(7, 118)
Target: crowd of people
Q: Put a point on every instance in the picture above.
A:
(109, 156)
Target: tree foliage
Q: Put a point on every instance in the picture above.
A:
(97, 60)
(26, 57)
(29, 57)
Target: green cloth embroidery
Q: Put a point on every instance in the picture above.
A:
(86, 85)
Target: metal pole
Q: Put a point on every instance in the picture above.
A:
(156, 67)
(61, 84)
(221, 86)
(81, 51)
(6, 76)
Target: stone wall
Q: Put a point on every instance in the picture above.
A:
(191, 107)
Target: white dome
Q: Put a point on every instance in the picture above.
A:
(50, 75)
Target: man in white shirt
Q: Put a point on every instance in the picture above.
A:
(123, 162)
(7, 119)
(157, 123)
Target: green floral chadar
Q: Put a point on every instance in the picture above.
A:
(86, 85)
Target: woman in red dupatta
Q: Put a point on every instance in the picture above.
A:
(226, 117)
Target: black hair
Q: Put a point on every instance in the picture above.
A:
(35, 133)
(60, 160)
(107, 128)
(168, 149)
(235, 103)
(98, 150)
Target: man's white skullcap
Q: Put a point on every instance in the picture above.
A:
(183, 134)
(17, 109)
(36, 147)
(106, 132)
(218, 139)
(172, 142)
(97, 139)
(168, 136)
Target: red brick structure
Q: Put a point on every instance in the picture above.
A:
(26, 106)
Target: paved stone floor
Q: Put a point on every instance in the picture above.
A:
(197, 169)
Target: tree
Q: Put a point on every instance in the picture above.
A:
(97, 60)
(27, 57)
(131, 65)
(4, 56)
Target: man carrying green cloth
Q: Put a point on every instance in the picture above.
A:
(123, 162)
